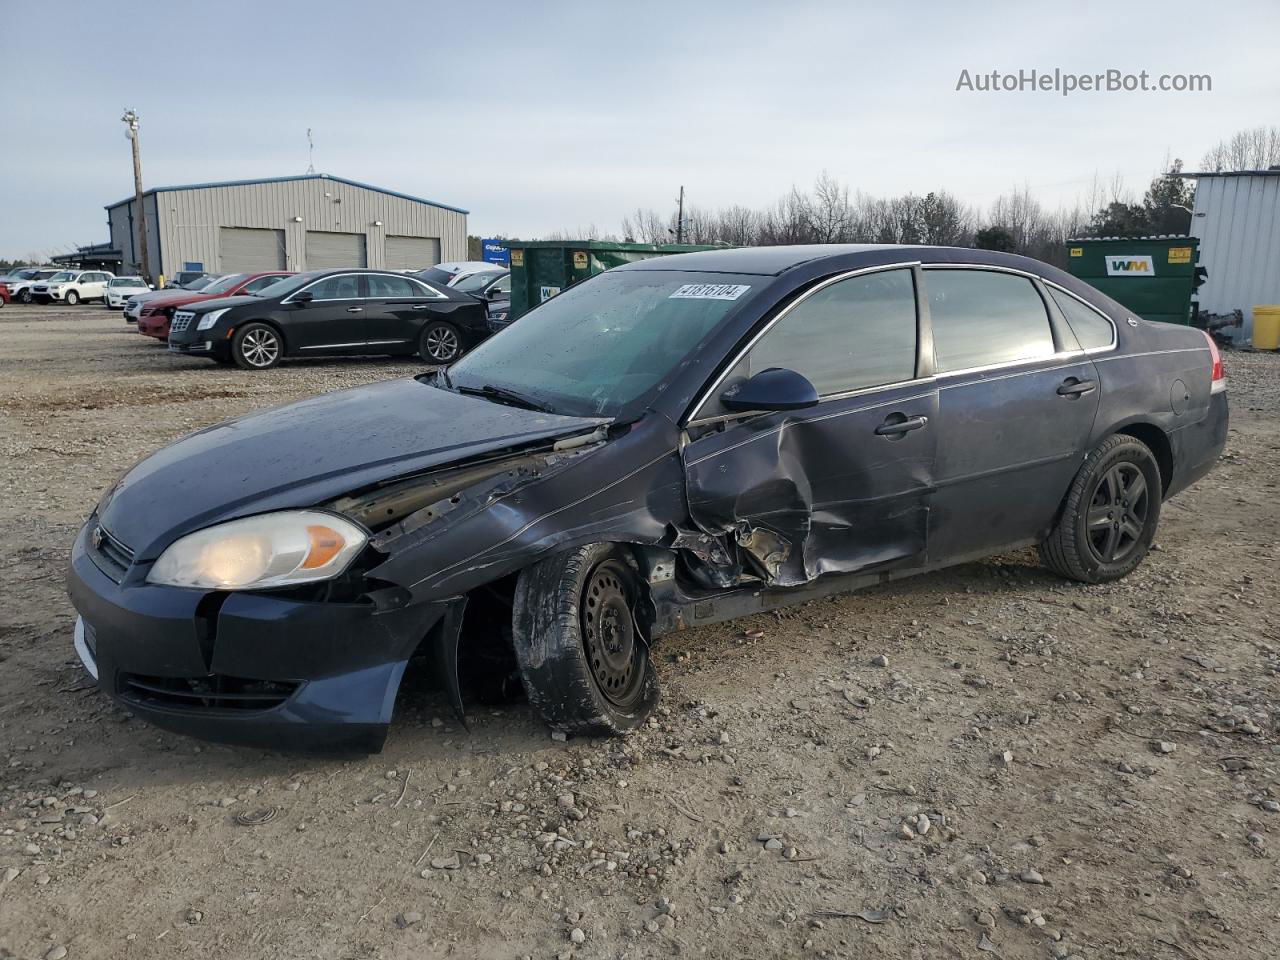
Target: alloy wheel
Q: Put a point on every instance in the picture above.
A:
(615, 652)
(1118, 513)
(441, 343)
(260, 348)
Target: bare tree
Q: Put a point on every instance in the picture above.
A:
(1254, 149)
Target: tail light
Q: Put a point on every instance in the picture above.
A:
(1218, 375)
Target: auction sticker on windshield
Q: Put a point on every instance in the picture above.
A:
(710, 291)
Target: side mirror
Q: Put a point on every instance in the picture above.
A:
(493, 293)
(774, 389)
(303, 298)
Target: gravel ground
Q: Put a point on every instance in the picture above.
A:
(984, 762)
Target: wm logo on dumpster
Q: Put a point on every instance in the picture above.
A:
(1130, 266)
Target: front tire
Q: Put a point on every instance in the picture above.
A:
(72, 298)
(24, 297)
(257, 346)
(439, 343)
(583, 659)
(1110, 516)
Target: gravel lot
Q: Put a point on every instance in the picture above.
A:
(1087, 771)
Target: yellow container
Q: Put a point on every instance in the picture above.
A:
(1266, 327)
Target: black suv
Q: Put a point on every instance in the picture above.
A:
(332, 313)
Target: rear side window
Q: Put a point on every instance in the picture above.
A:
(384, 287)
(1091, 328)
(859, 332)
(981, 318)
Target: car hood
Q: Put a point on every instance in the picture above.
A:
(306, 453)
(218, 301)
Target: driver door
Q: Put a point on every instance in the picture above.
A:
(842, 486)
(333, 321)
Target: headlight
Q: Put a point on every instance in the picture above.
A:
(210, 318)
(271, 550)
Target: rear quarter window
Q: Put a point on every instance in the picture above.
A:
(983, 318)
(1091, 328)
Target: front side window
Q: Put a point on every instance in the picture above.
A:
(1091, 328)
(981, 318)
(344, 287)
(502, 287)
(856, 333)
(383, 287)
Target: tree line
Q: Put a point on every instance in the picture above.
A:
(1016, 221)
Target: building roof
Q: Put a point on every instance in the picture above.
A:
(305, 176)
(1269, 172)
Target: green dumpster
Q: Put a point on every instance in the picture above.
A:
(1152, 276)
(540, 269)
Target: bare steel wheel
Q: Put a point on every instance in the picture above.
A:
(615, 657)
(256, 346)
(583, 657)
(439, 343)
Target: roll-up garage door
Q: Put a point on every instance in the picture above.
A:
(412, 253)
(245, 250)
(326, 251)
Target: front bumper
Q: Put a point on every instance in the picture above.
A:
(256, 669)
(154, 325)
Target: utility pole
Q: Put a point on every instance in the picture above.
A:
(130, 120)
(680, 216)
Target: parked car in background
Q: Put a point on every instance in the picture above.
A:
(155, 315)
(183, 277)
(4, 294)
(19, 283)
(72, 286)
(332, 313)
(133, 306)
(120, 289)
(449, 274)
(494, 288)
(671, 443)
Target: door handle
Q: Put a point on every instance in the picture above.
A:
(355, 309)
(1071, 387)
(420, 306)
(896, 425)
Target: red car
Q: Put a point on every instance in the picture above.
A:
(153, 320)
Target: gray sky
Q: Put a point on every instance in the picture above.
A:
(545, 116)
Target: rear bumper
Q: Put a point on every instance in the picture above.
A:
(1196, 448)
(255, 669)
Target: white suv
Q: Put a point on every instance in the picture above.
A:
(120, 289)
(72, 286)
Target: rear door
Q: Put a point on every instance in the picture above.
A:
(845, 485)
(333, 322)
(396, 310)
(1017, 400)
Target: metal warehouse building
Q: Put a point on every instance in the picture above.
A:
(307, 222)
(1237, 220)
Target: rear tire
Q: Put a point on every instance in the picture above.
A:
(439, 343)
(582, 657)
(1110, 516)
(72, 298)
(257, 346)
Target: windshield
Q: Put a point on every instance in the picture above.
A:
(126, 282)
(21, 275)
(607, 342)
(477, 281)
(61, 277)
(435, 275)
(199, 283)
(287, 285)
(223, 284)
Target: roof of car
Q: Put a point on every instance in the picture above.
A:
(770, 261)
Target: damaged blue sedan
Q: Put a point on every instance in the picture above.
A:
(671, 443)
